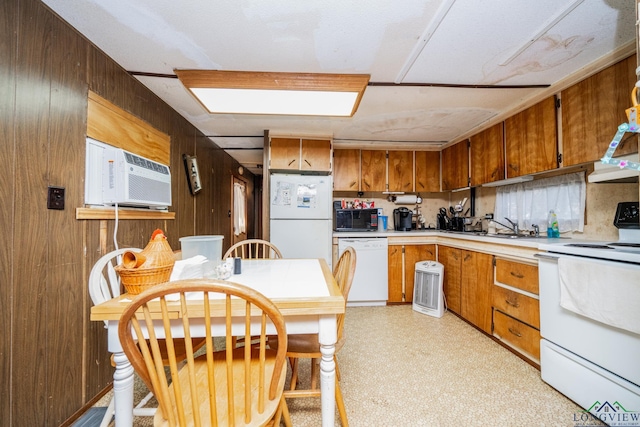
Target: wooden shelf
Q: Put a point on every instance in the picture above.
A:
(110, 213)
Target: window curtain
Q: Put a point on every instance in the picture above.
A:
(530, 202)
(239, 209)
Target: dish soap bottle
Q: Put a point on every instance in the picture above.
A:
(552, 225)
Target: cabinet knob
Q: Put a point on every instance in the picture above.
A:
(512, 304)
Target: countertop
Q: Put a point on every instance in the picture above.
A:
(528, 242)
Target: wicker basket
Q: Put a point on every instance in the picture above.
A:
(138, 280)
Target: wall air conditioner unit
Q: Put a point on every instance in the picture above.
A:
(115, 176)
(428, 297)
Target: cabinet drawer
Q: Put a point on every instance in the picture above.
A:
(516, 305)
(518, 275)
(517, 334)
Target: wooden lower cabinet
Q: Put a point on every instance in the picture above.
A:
(468, 277)
(516, 307)
(475, 289)
(402, 268)
(517, 334)
(395, 273)
(450, 260)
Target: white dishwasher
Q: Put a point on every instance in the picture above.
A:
(370, 279)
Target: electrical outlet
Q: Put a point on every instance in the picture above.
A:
(55, 198)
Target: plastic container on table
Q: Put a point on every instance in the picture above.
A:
(207, 246)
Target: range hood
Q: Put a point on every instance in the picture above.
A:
(614, 174)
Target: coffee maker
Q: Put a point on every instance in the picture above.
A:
(402, 219)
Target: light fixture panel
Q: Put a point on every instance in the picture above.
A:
(249, 92)
(285, 102)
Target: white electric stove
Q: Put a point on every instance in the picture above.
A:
(593, 357)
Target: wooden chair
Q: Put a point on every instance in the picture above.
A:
(307, 345)
(231, 387)
(104, 284)
(253, 249)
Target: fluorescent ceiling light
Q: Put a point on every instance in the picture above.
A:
(248, 92)
(509, 181)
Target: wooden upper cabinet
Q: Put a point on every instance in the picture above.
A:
(455, 166)
(531, 141)
(427, 171)
(316, 155)
(374, 170)
(593, 109)
(300, 154)
(486, 153)
(284, 153)
(400, 170)
(346, 170)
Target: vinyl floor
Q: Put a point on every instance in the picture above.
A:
(403, 368)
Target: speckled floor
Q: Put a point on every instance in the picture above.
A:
(402, 368)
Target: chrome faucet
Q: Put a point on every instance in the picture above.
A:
(514, 225)
(536, 230)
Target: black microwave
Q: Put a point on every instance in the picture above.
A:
(355, 219)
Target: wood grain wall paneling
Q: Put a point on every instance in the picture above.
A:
(182, 202)
(30, 334)
(8, 20)
(207, 201)
(66, 290)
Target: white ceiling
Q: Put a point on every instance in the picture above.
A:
(442, 42)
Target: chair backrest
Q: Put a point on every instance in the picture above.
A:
(253, 249)
(104, 282)
(234, 386)
(343, 273)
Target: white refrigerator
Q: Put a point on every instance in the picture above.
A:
(301, 218)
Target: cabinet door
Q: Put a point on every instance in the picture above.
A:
(531, 141)
(455, 166)
(450, 259)
(400, 170)
(346, 170)
(374, 170)
(412, 255)
(475, 287)
(593, 109)
(284, 153)
(395, 273)
(316, 155)
(486, 154)
(427, 171)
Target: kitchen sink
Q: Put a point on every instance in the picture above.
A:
(514, 236)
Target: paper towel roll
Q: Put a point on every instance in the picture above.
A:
(406, 199)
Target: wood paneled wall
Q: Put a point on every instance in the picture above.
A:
(53, 360)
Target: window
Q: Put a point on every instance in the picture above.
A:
(530, 202)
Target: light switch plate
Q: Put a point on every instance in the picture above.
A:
(55, 198)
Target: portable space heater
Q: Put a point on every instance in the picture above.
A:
(427, 290)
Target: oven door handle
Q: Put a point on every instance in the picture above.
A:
(543, 255)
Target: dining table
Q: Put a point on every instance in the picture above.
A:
(305, 292)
